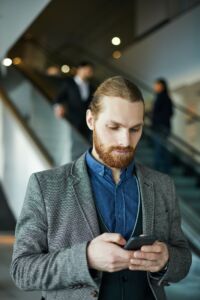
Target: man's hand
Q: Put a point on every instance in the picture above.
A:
(60, 110)
(106, 254)
(150, 258)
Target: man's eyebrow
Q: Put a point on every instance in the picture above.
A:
(119, 124)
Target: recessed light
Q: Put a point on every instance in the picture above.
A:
(65, 69)
(17, 60)
(7, 62)
(116, 41)
(117, 54)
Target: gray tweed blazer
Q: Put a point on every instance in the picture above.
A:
(58, 219)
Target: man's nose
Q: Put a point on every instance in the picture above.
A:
(124, 139)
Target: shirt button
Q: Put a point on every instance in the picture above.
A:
(94, 294)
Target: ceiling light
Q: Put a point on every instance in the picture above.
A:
(53, 71)
(7, 62)
(116, 41)
(117, 54)
(65, 69)
(17, 60)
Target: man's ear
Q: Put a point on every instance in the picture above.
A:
(90, 119)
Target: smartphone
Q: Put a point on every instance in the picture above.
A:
(135, 243)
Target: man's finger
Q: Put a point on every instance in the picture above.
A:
(143, 262)
(156, 247)
(146, 255)
(114, 238)
(144, 268)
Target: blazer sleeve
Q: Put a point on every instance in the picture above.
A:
(33, 267)
(179, 253)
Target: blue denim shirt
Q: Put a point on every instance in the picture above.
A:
(118, 204)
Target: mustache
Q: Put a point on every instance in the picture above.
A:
(120, 148)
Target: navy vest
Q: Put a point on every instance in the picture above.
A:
(126, 284)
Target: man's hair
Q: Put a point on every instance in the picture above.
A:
(116, 86)
(85, 63)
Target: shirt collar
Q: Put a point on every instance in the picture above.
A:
(97, 167)
(79, 80)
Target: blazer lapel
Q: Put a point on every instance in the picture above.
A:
(77, 90)
(147, 199)
(84, 197)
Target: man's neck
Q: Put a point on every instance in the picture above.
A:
(79, 77)
(115, 171)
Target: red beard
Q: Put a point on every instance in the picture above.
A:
(113, 159)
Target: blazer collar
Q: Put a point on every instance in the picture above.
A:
(83, 192)
(147, 197)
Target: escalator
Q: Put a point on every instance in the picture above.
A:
(33, 104)
(56, 138)
(34, 139)
(185, 157)
(60, 142)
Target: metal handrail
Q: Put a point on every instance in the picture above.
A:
(177, 138)
(8, 103)
(195, 116)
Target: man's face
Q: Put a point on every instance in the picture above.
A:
(85, 72)
(117, 131)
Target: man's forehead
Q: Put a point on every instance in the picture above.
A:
(131, 123)
(118, 108)
(112, 99)
(112, 102)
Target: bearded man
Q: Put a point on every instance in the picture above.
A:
(77, 218)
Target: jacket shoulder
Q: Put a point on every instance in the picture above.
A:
(54, 173)
(154, 175)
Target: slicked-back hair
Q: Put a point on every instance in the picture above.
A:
(116, 86)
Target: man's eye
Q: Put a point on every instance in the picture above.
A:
(113, 128)
(134, 129)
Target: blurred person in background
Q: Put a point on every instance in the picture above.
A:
(161, 125)
(75, 96)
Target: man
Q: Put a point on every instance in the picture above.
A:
(77, 218)
(161, 124)
(75, 96)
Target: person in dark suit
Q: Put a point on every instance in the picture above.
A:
(75, 96)
(161, 125)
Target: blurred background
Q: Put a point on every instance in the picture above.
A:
(42, 43)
